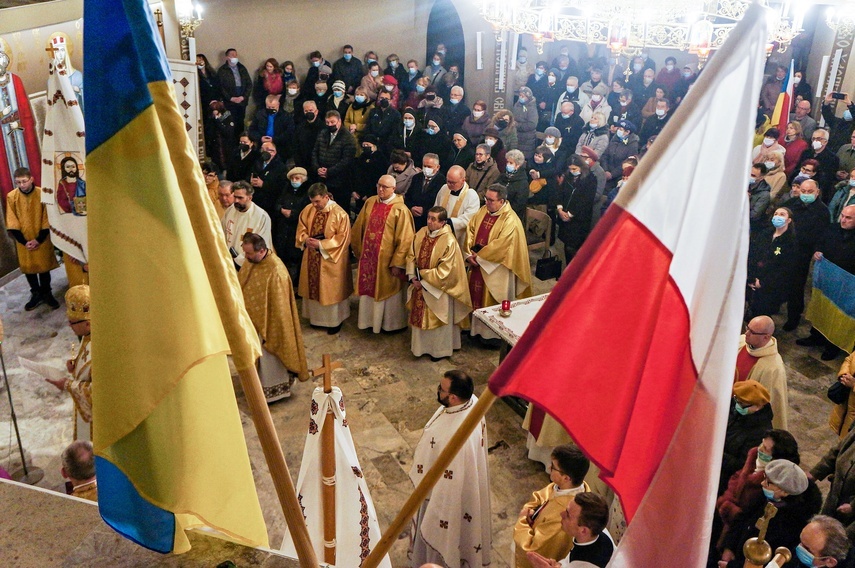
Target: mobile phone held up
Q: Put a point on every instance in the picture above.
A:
(838, 96)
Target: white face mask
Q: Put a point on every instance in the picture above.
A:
(477, 113)
(428, 171)
(817, 144)
(490, 142)
(292, 92)
(375, 73)
(549, 140)
(797, 80)
(389, 88)
(637, 67)
(768, 141)
(596, 98)
(770, 165)
(233, 60)
(669, 67)
(660, 112)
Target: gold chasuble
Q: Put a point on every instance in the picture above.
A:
(382, 236)
(500, 240)
(325, 276)
(25, 213)
(272, 307)
(214, 194)
(438, 263)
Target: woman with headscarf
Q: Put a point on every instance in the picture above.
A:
(526, 117)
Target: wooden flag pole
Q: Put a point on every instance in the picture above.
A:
(328, 463)
(485, 401)
(278, 467)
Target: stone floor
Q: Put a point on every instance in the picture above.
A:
(389, 393)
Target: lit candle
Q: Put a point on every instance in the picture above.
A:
(506, 305)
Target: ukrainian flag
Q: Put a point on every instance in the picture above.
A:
(170, 451)
(832, 304)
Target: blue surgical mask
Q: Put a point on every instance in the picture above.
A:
(510, 168)
(778, 221)
(409, 124)
(539, 72)
(763, 456)
(420, 89)
(360, 98)
(436, 62)
(803, 555)
(575, 173)
(431, 131)
(454, 101)
(621, 134)
(571, 90)
(742, 410)
(852, 183)
(523, 100)
(412, 72)
(769, 494)
(348, 56)
(807, 198)
(296, 184)
(393, 64)
(338, 94)
(316, 63)
(847, 115)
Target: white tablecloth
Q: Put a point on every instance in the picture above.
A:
(510, 328)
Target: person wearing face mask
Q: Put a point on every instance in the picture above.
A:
(476, 122)
(338, 99)
(430, 105)
(573, 205)
(403, 169)
(796, 499)
(321, 96)
(390, 85)
(515, 180)
(526, 118)
(371, 163)
(424, 188)
(621, 146)
(596, 78)
(843, 197)
(434, 70)
(270, 123)
(506, 126)
(293, 199)
(794, 144)
(542, 172)
(288, 72)
(571, 93)
(456, 112)
(450, 80)
(290, 102)
(777, 180)
(243, 158)
(687, 79)
(828, 163)
(235, 88)
(398, 70)
(769, 146)
(570, 125)
(408, 133)
(384, 122)
(758, 196)
(548, 101)
(669, 75)
(772, 88)
(408, 86)
(537, 81)
(749, 419)
(493, 140)
(518, 75)
(653, 125)
(824, 542)
(316, 61)
(347, 69)
(209, 83)
(356, 118)
(466, 492)
(811, 216)
(772, 259)
(268, 178)
(332, 158)
(625, 108)
(432, 140)
(597, 103)
(305, 135)
(744, 488)
(595, 135)
(839, 128)
(837, 466)
(482, 173)
(758, 359)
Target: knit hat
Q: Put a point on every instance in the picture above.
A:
(297, 171)
(552, 131)
(77, 303)
(600, 89)
(390, 80)
(589, 152)
(787, 475)
(339, 85)
(526, 92)
(408, 111)
(752, 392)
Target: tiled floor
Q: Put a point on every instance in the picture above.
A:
(389, 394)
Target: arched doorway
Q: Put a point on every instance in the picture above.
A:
(444, 27)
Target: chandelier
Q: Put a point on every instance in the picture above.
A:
(629, 26)
(842, 19)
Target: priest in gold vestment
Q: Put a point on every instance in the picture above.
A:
(326, 282)
(27, 223)
(382, 236)
(439, 292)
(272, 307)
(497, 255)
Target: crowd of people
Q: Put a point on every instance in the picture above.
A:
(395, 171)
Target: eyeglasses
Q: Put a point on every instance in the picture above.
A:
(807, 171)
(553, 468)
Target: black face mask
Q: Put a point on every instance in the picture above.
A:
(244, 147)
(271, 111)
(500, 124)
(310, 116)
(265, 156)
(332, 128)
(383, 103)
(430, 96)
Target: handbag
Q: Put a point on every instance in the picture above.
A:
(548, 267)
(838, 393)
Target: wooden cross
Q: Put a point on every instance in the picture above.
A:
(52, 50)
(763, 522)
(326, 370)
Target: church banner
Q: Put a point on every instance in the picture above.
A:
(63, 155)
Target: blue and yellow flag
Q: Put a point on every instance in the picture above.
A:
(832, 304)
(170, 450)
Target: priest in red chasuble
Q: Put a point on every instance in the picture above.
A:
(382, 236)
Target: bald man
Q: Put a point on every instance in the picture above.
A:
(381, 238)
(758, 359)
(459, 200)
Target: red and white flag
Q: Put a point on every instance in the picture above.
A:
(635, 348)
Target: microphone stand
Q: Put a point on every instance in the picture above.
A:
(30, 476)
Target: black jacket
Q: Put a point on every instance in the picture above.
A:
(826, 175)
(742, 434)
(384, 124)
(229, 88)
(274, 178)
(810, 222)
(240, 169)
(337, 156)
(838, 246)
(283, 131)
(517, 186)
(305, 136)
(576, 196)
(285, 228)
(423, 196)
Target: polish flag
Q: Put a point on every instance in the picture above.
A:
(634, 350)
